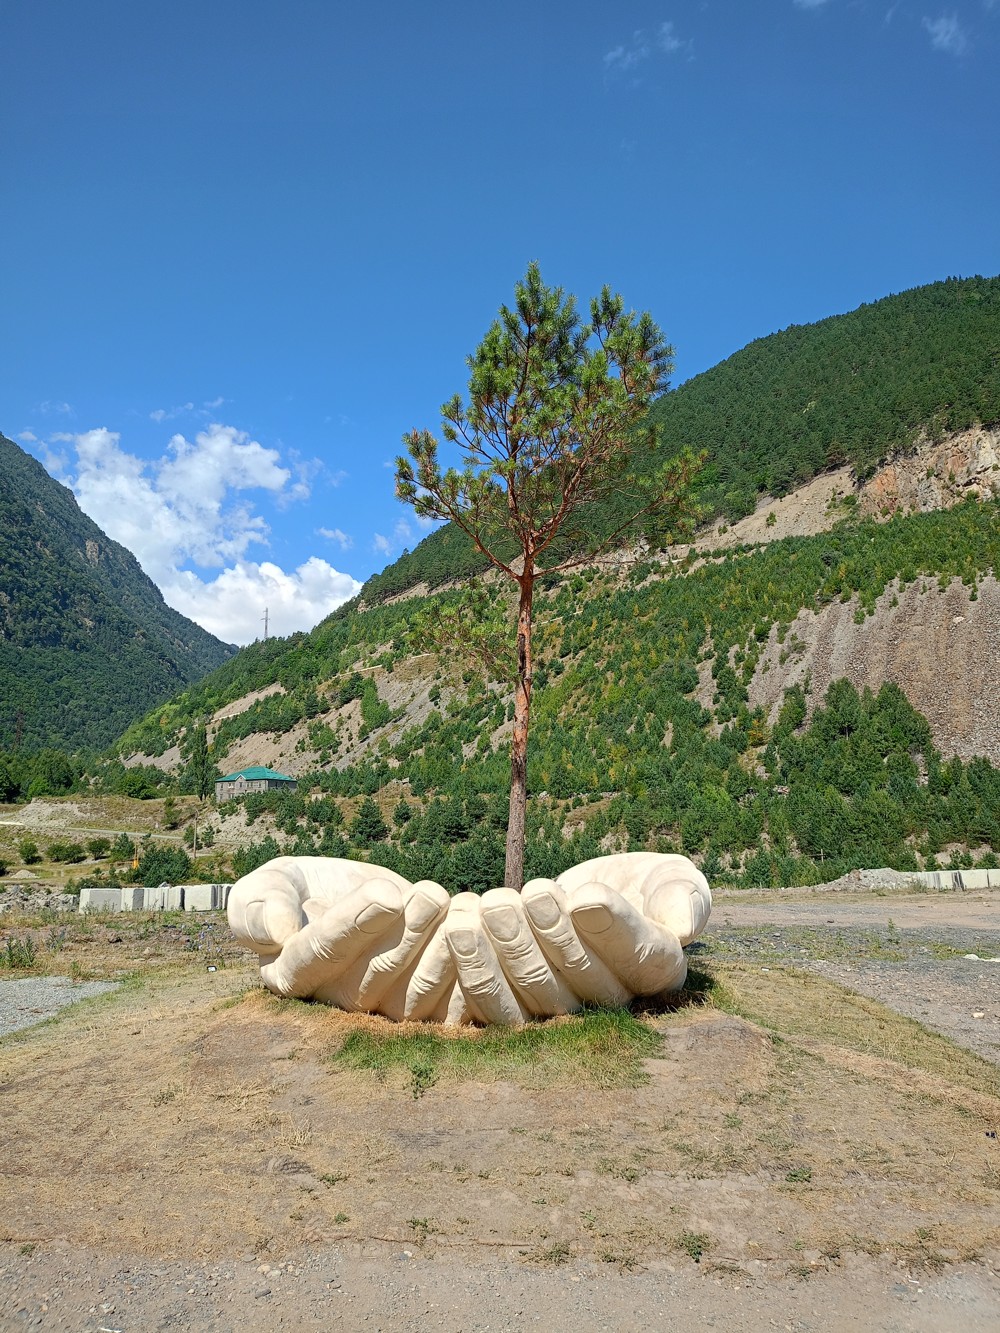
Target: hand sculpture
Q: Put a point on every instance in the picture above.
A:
(361, 937)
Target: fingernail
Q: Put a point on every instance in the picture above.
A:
(543, 911)
(503, 923)
(463, 942)
(421, 911)
(373, 914)
(595, 920)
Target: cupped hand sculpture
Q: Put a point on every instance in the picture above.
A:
(361, 937)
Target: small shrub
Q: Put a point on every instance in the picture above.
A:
(20, 955)
(66, 852)
(423, 1076)
(28, 851)
(695, 1244)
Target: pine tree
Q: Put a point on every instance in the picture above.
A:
(552, 423)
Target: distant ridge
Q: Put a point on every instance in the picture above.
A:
(87, 643)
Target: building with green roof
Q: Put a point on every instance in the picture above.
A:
(251, 779)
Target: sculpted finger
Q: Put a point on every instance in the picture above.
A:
(487, 992)
(427, 993)
(314, 959)
(539, 988)
(371, 977)
(548, 915)
(681, 904)
(648, 958)
(265, 907)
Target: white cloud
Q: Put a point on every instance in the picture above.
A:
(28, 436)
(809, 4)
(49, 408)
(668, 41)
(342, 539)
(180, 513)
(947, 34)
(402, 536)
(213, 403)
(162, 414)
(191, 506)
(626, 57)
(232, 605)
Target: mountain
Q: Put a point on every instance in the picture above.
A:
(850, 389)
(87, 642)
(812, 686)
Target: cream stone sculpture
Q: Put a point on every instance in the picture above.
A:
(361, 937)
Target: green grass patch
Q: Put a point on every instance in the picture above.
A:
(601, 1047)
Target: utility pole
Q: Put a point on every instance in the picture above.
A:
(264, 618)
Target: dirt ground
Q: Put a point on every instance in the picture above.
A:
(187, 1153)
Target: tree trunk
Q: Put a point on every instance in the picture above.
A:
(514, 870)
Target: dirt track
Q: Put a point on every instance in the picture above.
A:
(183, 1154)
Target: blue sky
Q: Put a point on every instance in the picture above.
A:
(248, 243)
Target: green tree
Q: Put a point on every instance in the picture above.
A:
(123, 848)
(52, 774)
(550, 431)
(201, 773)
(257, 854)
(163, 865)
(368, 826)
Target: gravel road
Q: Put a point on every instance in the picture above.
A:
(932, 957)
(33, 999)
(400, 1291)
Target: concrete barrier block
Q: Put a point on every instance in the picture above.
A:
(198, 898)
(163, 898)
(206, 897)
(132, 899)
(100, 900)
(975, 879)
(994, 879)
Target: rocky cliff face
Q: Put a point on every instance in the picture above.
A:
(935, 475)
(938, 646)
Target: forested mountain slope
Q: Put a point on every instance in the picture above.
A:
(852, 389)
(673, 709)
(87, 642)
